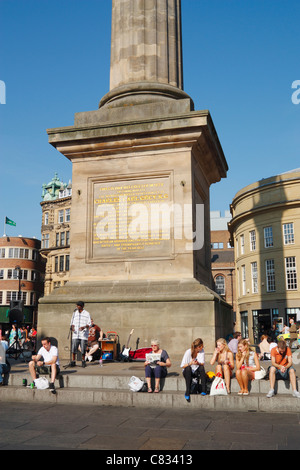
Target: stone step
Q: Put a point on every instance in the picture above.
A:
(170, 384)
(165, 399)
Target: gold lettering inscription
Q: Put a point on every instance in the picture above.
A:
(130, 218)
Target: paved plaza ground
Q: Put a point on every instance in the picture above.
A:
(31, 426)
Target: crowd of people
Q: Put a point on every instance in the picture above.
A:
(233, 356)
(25, 336)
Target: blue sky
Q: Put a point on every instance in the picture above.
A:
(240, 59)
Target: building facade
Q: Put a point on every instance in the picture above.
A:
(21, 276)
(55, 247)
(265, 230)
(222, 258)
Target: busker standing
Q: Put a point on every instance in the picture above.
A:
(80, 324)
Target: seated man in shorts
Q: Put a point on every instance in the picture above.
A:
(45, 362)
(282, 368)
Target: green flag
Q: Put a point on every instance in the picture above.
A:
(10, 222)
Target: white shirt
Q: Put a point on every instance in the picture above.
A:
(48, 355)
(79, 320)
(3, 349)
(187, 358)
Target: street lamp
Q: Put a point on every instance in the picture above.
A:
(18, 268)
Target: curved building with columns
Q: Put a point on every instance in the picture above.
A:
(265, 230)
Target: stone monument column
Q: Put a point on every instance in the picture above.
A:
(142, 166)
(146, 51)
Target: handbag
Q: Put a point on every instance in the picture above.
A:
(218, 386)
(135, 384)
(260, 374)
(41, 383)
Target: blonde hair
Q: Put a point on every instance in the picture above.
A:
(223, 341)
(195, 344)
(244, 342)
(155, 341)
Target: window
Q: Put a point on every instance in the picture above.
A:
(45, 240)
(62, 239)
(67, 215)
(13, 295)
(14, 274)
(291, 273)
(57, 239)
(268, 237)
(46, 220)
(254, 277)
(1, 273)
(252, 240)
(61, 263)
(242, 244)
(244, 324)
(243, 280)
(1, 297)
(34, 275)
(32, 298)
(270, 275)
(2, 253)
(220, 285)
(67, 238)
(288, 234)
(60, 217)
(217, 246)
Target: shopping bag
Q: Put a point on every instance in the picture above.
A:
(135, 384)
(218, 386)
(41, 383)
(260, 374)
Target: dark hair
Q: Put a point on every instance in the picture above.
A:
(47, 339)
(282, 344)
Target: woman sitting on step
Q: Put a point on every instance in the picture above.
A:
(193, 367)
(247, 363)
(225, 361)
(156, 367)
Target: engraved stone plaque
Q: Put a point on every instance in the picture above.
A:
(132, 218)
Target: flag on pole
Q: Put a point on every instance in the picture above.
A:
(10, 222)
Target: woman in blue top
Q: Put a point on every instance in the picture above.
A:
(157, 369)
(13, 335)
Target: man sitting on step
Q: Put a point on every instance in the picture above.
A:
(282, 368)
(46, 362)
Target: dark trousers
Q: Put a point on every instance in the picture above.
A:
(188, 374)
(157, 372)
(4, 369)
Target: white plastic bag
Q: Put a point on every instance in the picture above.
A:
(260, 374)
(218, 387)
(41, 383)
(135, 384)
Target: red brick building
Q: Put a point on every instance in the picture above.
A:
(21, 276)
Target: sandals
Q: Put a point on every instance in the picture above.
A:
(155, 391)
